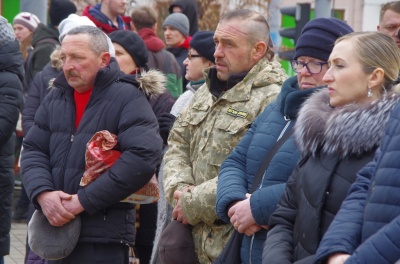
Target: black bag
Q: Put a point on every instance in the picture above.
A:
(176, 244)
(231, 252)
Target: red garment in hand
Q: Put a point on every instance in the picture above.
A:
(99, 155)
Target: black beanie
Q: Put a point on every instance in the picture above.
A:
(59, 10)
(133, 44)
(203, 43)
(318, 37)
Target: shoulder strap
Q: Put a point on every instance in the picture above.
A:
(267, 159)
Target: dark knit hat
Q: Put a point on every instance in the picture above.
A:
(6, 32)
(318, 37)
(133, 44)
(178, 21)
(59, 10)
(203, 43)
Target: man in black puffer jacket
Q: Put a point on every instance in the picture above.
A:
(11, 75)
(89, 97)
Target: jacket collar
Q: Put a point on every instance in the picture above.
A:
(351, 129)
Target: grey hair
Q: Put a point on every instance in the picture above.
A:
(97, 39)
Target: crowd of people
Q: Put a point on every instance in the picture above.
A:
(210, 114)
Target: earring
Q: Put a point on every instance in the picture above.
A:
(369, 92)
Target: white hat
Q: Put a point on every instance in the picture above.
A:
(73, 21)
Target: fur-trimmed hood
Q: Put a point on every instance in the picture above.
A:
(152, 82)
(351, 129)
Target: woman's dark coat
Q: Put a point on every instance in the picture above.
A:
(335, 144)
(368, 223)
(240, 168)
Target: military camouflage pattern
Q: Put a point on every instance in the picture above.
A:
(201, 139)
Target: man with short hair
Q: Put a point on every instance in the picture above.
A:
(144, 21)
(108, 15)
(176, 34)
(389, 20)
(89, 97)
(236, 90)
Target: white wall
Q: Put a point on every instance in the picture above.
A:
(361, 15)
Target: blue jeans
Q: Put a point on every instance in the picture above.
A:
(2, 260)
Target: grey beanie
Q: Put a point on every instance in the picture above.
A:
(6, 32)
(178, 21)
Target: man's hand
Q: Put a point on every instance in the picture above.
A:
(73, 205)
(177, 213)
(51, 203)
(338, 258)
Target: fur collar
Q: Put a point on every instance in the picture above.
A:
(351, 129)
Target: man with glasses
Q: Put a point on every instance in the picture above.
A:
(250, 213)
(235, 91)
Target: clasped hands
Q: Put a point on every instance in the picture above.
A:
(242, 219)
(59, 207)
(177, 213)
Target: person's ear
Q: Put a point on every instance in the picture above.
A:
(259, 50)
(105, 59)
(132, 26)
(375, 79)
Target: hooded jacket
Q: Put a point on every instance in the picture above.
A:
(39, 88)
(368, 223)
(44, 41)
(55, 150)
(11, 75)
(239, 170)
(163, 60)
(202, 137)
(335, 143)
(102, 21)
(189, 8)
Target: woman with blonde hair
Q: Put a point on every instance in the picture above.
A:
(366, 228)
(338, 130)
(24, 25)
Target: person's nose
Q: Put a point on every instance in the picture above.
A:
(186, 61)
(327, 78)
(398, 33)
(218, 52)
(304, 71)
(67, 65)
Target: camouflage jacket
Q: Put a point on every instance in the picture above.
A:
(201, 139)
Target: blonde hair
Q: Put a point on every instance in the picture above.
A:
(376, 50)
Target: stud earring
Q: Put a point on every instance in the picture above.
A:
(369, 92)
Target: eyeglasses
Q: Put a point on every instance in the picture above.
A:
(312, 67)
(190, 56)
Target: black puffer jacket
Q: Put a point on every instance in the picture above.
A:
(336, 143)
(11, 75)
(54, 152)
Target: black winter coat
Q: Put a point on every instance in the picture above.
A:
(38, 89)
(335, 143)
(54, 152)
(11, 75)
